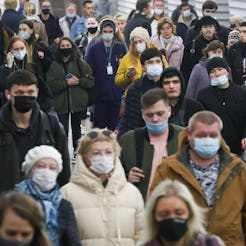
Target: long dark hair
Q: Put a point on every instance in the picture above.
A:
(74, 56)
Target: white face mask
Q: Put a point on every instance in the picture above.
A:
(154, 70)
(219, 81)
(158, 11)
(102, 164)
(140, 47)
(19, 55)
(45, 178)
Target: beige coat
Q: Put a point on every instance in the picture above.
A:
(107, 216)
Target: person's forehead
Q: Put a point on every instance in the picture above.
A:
(155, 58)
(175, 77)
(200, 126)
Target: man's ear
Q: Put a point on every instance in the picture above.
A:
(143, 68)
(7, 94)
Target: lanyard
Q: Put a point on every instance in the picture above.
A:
(109, 54)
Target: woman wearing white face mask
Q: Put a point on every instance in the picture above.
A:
(170, 44)
(16, 59)
(41, 166)
(109, 210)
(130, 68)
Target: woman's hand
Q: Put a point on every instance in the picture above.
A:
(131, 72)
(10, 59)
(73, 81)
(40, 54)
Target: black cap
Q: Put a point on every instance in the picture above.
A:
(216, 62)
(207, 20)
(107, 22)
(149, 53)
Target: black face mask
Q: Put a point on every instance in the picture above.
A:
(13, 243)
(92, 30)
(24, 104)
(46, 11)
(65, 52)
(172, 229)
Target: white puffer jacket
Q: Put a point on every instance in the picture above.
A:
(110, 216)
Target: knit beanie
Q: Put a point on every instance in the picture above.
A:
(40, 152)
(149, 53)
(233, 36)
(207, 20)
(216, 62)
(107, 22)
(140, 32)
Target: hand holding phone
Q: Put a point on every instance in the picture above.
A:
(69, 76)
(131, 71)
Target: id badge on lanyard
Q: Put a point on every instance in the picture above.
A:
(109, 69)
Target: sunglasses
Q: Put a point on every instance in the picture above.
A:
(94, 134)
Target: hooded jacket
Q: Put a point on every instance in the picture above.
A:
(227, 217)
(185, 107)
(106, 216)
(15, 142)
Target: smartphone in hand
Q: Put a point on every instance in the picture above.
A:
(69, 76)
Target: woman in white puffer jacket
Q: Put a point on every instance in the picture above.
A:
(108, 209)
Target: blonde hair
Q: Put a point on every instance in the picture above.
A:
(10, 4)
(29, 9)
(170, 188)
(97, 135)
(165, 20)
(120, 17)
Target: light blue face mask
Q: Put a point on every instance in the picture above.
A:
(206, 147)
(71, 15)
(213, 15)
(219, 81)
(158, 11)
(107, 36)
(154, 70)
(186, 13)
(157, 128)
(24, 35)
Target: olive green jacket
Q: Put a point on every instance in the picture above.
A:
(70, 98)
(133, 147)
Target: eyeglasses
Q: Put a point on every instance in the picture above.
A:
(94, 134)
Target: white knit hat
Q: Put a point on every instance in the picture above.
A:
(140, 32)
(40, 152)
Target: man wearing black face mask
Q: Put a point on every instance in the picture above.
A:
(51, 23)
(22, 126)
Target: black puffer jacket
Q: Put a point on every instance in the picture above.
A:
(235, 57)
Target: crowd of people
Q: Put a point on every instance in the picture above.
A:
(162, 161)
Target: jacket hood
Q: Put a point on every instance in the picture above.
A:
(173, 71)
(84, 177)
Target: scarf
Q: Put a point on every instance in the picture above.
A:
(49, 202)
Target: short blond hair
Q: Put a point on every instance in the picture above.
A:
(10, 4)
(29, 9)
(97, 135)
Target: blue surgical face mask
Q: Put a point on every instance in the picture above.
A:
(206, 147)
(157, 128)
(213, 15)
(186, 13)
(215, 55)
(158, 11)
(219, 81)
(154, 70)
(24, 35)
(107, 36)
(71, 15)
(19, 55)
